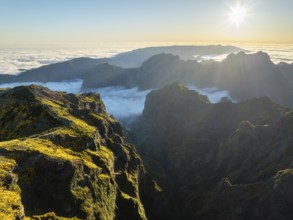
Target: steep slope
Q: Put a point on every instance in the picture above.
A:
(256, 165)
(217, 161)
(62, 155)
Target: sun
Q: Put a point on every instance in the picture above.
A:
(237, 15)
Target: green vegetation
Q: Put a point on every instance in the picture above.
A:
(10, 199)
(61, 161)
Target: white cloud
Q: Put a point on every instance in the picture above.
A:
(13, 61)
(214, 94)
(123, 103)
(120, 102)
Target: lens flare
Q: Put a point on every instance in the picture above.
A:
(237, 15)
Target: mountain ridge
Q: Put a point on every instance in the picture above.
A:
(243, 75)
(213, 158)
(69, 159)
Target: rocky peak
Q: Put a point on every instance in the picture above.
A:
(242, 57)
(65, 157)
(173, 98)
(210, 154)
(163, 60)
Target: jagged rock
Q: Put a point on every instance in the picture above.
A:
(223, 160)
(62, 155)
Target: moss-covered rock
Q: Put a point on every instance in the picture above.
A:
(63, 157)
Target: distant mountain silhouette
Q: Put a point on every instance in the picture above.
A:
(100, 75)
(6, 78)
(136, 57)
(254, 75)
(76, 68)
(243, 75)
(72, 69)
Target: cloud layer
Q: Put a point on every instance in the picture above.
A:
(120, 102)
(13, 61)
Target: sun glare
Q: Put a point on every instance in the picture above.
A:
(237, 15)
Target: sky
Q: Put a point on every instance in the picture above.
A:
(91, 22)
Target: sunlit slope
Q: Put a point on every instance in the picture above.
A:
(62, 155)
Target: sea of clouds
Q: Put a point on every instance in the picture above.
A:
(120, 102)
(123, 103)
(13, 61)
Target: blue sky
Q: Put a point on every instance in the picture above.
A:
(93, 21)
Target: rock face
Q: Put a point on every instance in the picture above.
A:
(62, 155)
(218, 161)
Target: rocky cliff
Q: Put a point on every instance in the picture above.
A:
(63, 157)
(218, 161)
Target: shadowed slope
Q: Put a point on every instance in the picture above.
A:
(217, 161)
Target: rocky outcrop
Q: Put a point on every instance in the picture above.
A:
(63, 156)
(218, 161)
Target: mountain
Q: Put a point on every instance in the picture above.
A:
(77, 67)
(135, 58)
(100, 75)
(67, 70)
(287, 71)
(63, 156)
(254, 75)
(157, 71)
(218, 161)
(6, 78)
(243, 75)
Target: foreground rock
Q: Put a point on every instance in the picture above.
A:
(218, 161)
(62, 155)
